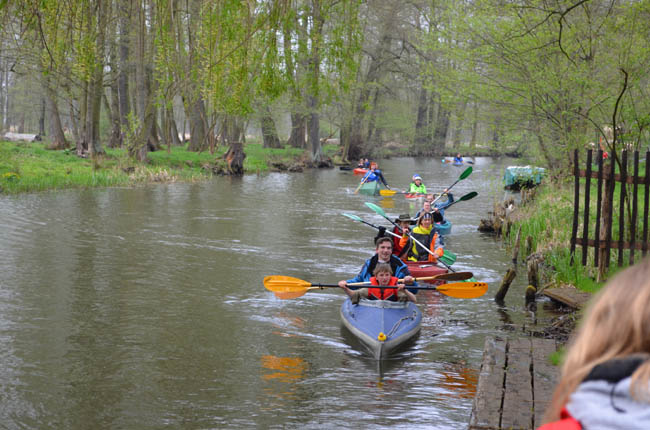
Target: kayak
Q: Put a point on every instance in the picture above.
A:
(456, 162)
(359, 171)
(444, 227)
(370, 188)
(414, 196)
(420, 269)
(382, 326)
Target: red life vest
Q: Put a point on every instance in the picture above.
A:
(383, 293)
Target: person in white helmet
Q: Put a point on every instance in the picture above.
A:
(417, 187)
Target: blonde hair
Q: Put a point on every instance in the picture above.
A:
(381, 268)
(616, 325)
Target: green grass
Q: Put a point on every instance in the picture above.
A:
(548, 221)
(557, 357)
(27, 167)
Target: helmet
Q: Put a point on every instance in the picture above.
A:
(416, 176)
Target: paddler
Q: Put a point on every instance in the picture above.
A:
(403, 226)
(383, 254)
(374, 174)
(416, 186)
(382, 277)
(428, 237)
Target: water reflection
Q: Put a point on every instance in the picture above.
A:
(459, 381)
(286, 369)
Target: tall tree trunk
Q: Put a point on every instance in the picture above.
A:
(96, 84)
(472, 141)
(197, 123)
(269, 132)
(298, 130)
(57, 137)
(124, 14)
(193, 96)
(313, 97)
(422, 121)
(41, 119)
(460, 120)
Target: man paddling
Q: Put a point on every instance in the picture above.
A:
(384, 254)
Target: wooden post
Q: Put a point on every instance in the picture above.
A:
(576, 203)
(635, 207)
(505, 284)
(599, 200)
(585, 222)
(646, 201)
(533, 283)
(621, 209)
(533, 269)
(515, 252)
(529, 245)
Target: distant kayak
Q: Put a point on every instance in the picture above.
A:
(453, 162)
(360, 171)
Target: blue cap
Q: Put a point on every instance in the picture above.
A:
(416, 176)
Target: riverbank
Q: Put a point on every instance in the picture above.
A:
(29, 167)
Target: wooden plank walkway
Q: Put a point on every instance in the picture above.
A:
(515, 384)
(569, 296)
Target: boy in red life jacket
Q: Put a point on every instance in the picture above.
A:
(383, 276)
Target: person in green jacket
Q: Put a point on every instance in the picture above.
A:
(417, 187)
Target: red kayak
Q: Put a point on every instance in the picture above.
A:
(360, 171)
(420, 269)
(414, 195)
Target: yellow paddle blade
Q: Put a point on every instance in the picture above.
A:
(463, 290)
(286, 295)
(387, 192)
(285, 284)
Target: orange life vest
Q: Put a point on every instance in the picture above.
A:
(383, 293)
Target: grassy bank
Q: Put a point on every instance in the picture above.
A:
(26, 167)
(547, 219)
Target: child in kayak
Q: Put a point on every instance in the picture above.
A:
(605, 379)
(383, 276)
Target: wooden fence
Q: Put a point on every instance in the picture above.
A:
(602, 241)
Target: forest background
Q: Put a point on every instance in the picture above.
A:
(534, 78)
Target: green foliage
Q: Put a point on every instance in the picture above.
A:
(31, 167)
(557, 358)
(554, 70)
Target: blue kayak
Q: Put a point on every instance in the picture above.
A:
(444, 227)
(382, 326)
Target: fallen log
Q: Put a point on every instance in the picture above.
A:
(22, 137)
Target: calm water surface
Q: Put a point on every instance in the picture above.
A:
(144, 308)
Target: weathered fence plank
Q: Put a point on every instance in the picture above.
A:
(585, 227)
(628, 208)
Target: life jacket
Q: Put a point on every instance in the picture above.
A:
(422, 189)
(427, 238)
(383, 293)
(372, 176)
(398, 250)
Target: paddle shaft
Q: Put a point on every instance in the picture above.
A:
(468, 196)
(460, 178)
(363, 181)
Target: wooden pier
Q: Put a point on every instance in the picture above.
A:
(515, 384)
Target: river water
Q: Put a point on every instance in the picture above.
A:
(144, 308)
